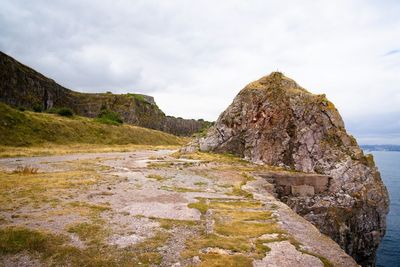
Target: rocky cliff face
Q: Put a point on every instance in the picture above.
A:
(21, 86)
(276, 122)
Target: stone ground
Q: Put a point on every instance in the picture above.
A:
(149, 208)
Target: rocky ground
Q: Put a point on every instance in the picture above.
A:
(150, 208)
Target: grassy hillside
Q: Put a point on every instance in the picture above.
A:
(25, 128)
(21, 86)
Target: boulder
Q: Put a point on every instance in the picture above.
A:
(275, 121)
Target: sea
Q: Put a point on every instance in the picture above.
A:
(388, 162)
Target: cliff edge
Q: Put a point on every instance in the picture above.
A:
(21, 86)
(276, 122)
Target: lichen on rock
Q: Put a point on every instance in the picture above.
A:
(274, 121)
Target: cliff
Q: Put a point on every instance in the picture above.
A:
(276, 122)
(21, 86)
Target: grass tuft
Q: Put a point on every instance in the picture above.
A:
(171, 223)
(201, 206)
(89, 232)
(156, 177)
(17, 239)
(26, 170)
(179, 189)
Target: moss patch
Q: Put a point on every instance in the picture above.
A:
(17, 239)
(157, 177)
(179, 189)
(201, 206)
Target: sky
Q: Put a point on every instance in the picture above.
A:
(195, 56)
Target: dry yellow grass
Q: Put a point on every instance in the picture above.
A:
(24, 188)
(28, 133)
(26, 170)
(48, 149)
(238, 225)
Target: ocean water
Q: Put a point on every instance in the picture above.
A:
(389, 250)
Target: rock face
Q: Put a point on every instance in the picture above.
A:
(276, 122)
(21, 86)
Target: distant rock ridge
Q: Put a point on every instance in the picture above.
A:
(21, 86)
(276, 122)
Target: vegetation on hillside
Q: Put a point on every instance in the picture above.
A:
(24, 128)
(109, 117)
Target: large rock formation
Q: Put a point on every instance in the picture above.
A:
(21, 86)
(276, 122)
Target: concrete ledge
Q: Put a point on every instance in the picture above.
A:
(301, 182)
(302, 190)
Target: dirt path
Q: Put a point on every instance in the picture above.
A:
(148, 208)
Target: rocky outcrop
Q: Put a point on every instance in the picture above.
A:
(275, 121)
(21, 86)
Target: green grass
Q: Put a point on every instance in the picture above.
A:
(54, 250)
(138, 97)
(238, 226)
(238, 191)
(200, 183)
(89, 232)
(234, 205)
(179, 189)
(201, 206)
(324, 260)
(246, 229)
(171, 223)
(26, 128)
(160, 165)
(17, 239)
(214, 260)
(157, 177)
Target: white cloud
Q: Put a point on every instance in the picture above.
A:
(195, 56)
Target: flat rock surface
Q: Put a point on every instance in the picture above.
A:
(165, 210)
(284, 254)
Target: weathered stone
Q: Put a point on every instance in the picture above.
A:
(275, 121)
(302, 190)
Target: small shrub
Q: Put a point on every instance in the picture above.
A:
(66, 112)
(138, 97)
(109, 117)
(21, 108)
(26, 170)
(37, 108)
(204, 128)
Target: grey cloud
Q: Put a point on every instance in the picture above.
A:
(204, 52)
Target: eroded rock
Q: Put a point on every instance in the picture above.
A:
(274, 121)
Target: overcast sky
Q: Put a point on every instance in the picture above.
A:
(195, 56)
